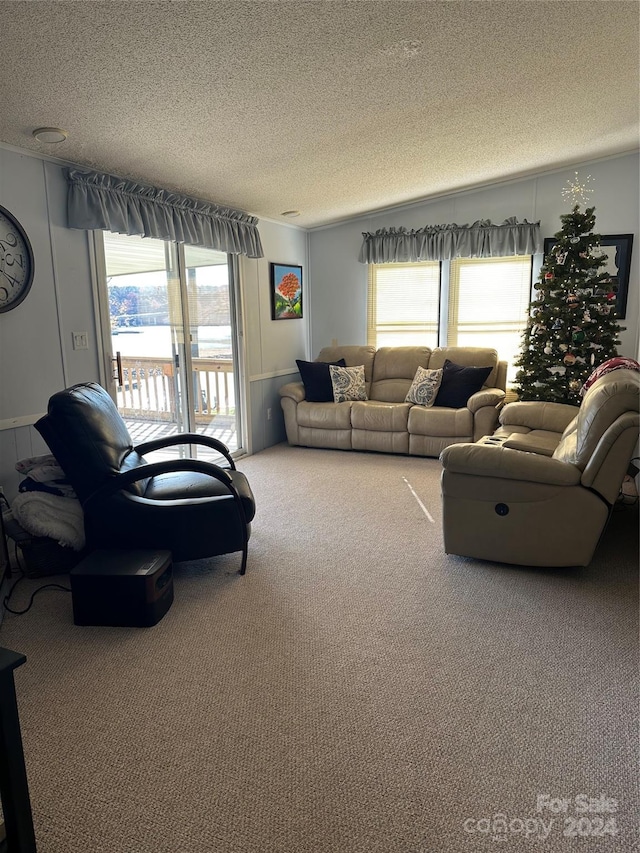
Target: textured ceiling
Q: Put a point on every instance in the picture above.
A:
(332, 108)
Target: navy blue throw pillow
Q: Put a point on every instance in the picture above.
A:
(459, 383)
(317, 379)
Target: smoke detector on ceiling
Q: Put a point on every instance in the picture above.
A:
(51, 135)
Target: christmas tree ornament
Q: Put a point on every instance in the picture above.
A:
(569, 359)
(578, 336)
(572, 300)
(563, 347)
(575, 385)
(547, 350)
(548, 276)
(574, 240)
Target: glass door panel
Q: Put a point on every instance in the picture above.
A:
(147, 334)
(214, 409)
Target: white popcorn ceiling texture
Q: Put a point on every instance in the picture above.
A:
(332, 108)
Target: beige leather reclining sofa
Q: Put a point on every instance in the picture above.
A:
(539, 491)
(385, 422)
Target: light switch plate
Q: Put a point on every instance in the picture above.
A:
(80, 340)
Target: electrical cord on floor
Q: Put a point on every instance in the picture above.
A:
(5, 601)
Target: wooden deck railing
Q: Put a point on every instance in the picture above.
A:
(150, 387)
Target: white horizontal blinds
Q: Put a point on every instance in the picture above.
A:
(488, 302)
(403, 304)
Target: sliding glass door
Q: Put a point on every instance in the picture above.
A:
(212, 340)
(172, 339)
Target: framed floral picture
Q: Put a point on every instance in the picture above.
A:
(286, 291)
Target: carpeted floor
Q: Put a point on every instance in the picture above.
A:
(358, 691)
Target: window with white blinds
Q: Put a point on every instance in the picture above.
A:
(488, 301)
(403, 304)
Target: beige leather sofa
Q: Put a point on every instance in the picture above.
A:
(385, 422)
(539, 491)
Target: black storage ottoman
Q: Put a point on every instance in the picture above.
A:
(122, 588)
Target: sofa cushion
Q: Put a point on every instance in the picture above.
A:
(605, 402)
(393, 371)
(353, 356)
(424, 387)
(348, 383)
(317, 380)
(469, 357)
(445, 423)
(459, 383)
(380, 417)
(334, 416)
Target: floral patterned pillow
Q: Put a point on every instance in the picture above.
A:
(424, 388)
(348, 383)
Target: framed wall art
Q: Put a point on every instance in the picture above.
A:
(286, 291)
(617, 250)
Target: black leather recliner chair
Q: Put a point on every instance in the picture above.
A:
(192, 508)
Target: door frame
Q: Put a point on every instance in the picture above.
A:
(104, 340)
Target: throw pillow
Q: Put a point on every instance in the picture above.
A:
(348, 383)
(459, 383)
(424, 387)
(317, 380)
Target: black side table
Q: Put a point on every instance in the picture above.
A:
(14, 789)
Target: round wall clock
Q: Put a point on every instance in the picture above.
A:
(16, 262)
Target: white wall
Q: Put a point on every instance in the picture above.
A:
(36, 353)
(272, 346)
(339, 282)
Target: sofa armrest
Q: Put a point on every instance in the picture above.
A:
(553, 417)
(502, 463)
(493, 397)
(295, 390)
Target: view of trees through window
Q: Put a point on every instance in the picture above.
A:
(145, 304)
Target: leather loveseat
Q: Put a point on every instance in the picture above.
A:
(540, 491)
(385, 422)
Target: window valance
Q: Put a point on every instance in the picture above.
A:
(483, 239)
(109, 203)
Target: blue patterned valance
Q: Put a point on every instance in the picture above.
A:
(109, 203)
(483, 239)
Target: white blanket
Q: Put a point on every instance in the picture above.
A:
(42, 514)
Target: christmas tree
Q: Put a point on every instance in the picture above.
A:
(571, 325)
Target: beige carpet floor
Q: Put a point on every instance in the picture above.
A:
(358, 691)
